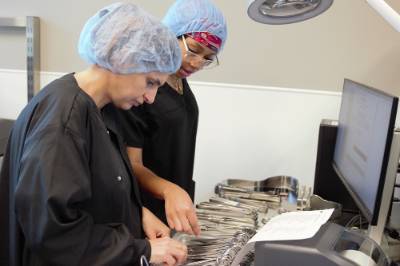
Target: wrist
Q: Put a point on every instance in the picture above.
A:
(169, 189)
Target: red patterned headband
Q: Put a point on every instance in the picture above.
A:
(209, 40)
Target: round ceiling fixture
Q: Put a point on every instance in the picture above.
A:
(278, 12)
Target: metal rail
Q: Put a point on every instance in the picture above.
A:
(32, 33)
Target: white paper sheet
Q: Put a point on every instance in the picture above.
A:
(293, 226)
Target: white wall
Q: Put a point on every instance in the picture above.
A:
(248, 132)
(253, 132)
(13, 92)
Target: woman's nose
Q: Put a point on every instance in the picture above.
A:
(196, 64)
(150, 95)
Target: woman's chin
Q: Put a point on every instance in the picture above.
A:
(182, 73)
(127, 105)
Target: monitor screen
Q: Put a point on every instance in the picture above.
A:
(365, 132)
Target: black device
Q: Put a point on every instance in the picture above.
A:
(327, 183)
(367, 151)
(5, 129)
(332, 245)
(365, 159)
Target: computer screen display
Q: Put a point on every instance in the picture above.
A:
(365, 132)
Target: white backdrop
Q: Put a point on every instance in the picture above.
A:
(255, 132)
(248, 132)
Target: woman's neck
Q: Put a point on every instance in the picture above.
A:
(176, 83)
(95, 82)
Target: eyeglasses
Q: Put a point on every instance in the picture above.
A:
(205, 63)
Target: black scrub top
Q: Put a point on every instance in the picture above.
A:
(166, 131)
(67, 185)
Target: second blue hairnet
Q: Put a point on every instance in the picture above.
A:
(188, 16)
(124, 39)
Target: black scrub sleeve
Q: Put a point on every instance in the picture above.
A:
(54, 183)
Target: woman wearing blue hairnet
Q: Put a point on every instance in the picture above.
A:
(71, 196)
(161, 137)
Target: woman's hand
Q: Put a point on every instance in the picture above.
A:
(179, 209)
(167, 251)
(152, 226)
(180, 212)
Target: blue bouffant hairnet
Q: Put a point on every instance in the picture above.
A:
(187, 16)
(124, 39)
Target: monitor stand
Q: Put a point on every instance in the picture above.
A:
(376, 232)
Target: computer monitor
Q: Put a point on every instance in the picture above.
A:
(367, 151)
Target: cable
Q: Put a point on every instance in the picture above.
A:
(393, 233)
(352, 221)
(143, 261)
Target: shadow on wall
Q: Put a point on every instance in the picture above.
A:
(390, 61)
(384, 81)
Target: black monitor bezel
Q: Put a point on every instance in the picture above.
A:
(372, 218)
